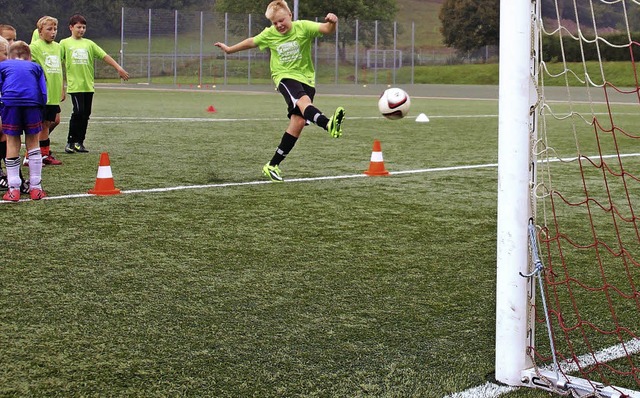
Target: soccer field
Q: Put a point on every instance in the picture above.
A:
(203, 279)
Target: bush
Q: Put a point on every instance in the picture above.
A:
(613, 47)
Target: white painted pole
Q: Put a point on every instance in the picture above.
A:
(512, 304)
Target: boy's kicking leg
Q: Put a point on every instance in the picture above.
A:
(333, 125)
(299, 99)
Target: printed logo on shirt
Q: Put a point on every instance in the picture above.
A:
(289, 52)
(52, 64)
(80, 56)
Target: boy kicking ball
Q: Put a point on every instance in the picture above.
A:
(293, 73)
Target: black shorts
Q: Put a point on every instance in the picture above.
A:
(50, 113)
(292, 91)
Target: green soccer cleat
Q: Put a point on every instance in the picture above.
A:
(273, 172)
(334, 127)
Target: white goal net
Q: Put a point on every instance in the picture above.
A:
(579, 309)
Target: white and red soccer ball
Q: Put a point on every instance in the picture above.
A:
(394, 103)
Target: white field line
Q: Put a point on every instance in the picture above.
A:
(260, 182)
(133, 119)
(292, 180)
(487, 390)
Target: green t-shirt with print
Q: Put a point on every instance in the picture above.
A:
(49, 57)
(79, 56)
(291, 52)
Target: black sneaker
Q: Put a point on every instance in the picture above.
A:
(4, 184)
(69, 148)
(78, 147)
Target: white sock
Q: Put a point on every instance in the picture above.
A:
(35, 167)
(13, 173)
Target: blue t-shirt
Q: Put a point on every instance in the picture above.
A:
(22, 83)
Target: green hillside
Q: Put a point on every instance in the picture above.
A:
(424, 13)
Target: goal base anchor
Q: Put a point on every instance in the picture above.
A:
(557, 383)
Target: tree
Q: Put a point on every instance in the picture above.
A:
(102, 15)
(470, 24)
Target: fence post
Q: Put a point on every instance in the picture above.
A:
(413, 49)
(149, 49)
(395, 47)
(201, 48)
(122, 37)
(226, 38)
(175, 47)
(337, 55)
(355, 61)
(375, 61)
(249, 57)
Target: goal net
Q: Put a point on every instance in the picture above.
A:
(568, 294)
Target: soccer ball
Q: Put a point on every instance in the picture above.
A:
(394, 103)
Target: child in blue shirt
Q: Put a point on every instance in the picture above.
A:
(24, 95)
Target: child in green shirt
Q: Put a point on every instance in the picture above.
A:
(293, 73)
(48, 54)
(79, 54)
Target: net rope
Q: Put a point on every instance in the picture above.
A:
(587, 192)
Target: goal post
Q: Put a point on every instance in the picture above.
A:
(513, 292)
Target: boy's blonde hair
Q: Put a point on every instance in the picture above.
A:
(45, 20)
(20, 50)
(275, 6)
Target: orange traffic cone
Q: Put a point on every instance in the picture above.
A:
(104, 181)
(376, 166)
(211, 109)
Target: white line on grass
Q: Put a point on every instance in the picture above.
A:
(487, 390)
(119, 120)
(289, 180)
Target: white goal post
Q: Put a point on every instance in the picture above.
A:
(513, 292)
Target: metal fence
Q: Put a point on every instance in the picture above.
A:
(176, 47)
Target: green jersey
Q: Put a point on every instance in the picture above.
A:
(35, 36)
(291, 52)
(79, 56)
(49, 57)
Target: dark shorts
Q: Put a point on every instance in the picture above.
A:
(16, 119)
(50, 113)
(293, 90)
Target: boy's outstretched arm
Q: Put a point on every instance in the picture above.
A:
(243, 45)
(329, 24)
(124, 75)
